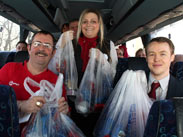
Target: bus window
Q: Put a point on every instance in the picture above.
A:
(133, 45)
(9, 34)
(174, 32)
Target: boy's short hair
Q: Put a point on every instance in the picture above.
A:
(162, 40)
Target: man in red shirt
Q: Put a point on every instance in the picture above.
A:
(41, 50)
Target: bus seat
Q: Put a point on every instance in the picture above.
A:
(131, 63)
(177, 70)
(138, 63)
(165, 118)
(121, 67)
(9, 121)
(21, 56)
(10, 57)
(3, 58)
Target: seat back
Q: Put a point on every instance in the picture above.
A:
(9, 121)
(159, 109)
(131, 63)
(21, 56)
(177, 70)
(121, 67)
(3, 58)
(165, 118)
(10, 57)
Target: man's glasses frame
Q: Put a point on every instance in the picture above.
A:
(45, 45)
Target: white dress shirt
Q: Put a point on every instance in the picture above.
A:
(161, 91)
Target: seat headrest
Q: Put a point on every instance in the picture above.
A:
(3, 58)
(177, 70)
(137, 63)
(10, 57)
(21, 56)
(131, 63)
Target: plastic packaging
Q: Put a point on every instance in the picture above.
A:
(48, 122)
(96, 84)
(126, 110)
(64, 62)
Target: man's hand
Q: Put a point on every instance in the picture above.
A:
(65, 37)
(63, 106)
(32, 105)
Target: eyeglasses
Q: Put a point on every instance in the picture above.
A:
(45, 45)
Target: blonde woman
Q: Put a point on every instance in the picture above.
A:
(90, 34)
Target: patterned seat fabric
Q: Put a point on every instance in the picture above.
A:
(9, 121)
(177, 70)
(164, 112)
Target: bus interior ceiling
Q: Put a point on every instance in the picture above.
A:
(124, 19)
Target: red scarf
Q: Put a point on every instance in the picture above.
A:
(86, 44)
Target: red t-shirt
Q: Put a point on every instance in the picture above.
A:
(14, 74)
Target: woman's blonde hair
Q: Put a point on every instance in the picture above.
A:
(101, 25)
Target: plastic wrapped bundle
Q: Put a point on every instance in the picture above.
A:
(48, 122)
(126, 110)
(95, 86)
(64, 62)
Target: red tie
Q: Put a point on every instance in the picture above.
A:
(152, 93)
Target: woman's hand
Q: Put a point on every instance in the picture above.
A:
(97, 54)
(63, 106)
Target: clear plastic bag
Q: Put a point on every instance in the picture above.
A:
(127, 108)
(24, 117)
(48, 122)
(96, 85)
(64, 62)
